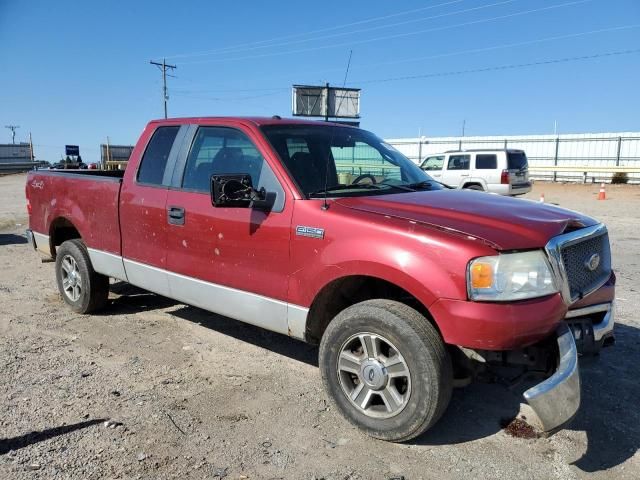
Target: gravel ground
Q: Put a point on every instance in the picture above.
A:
(188, 394)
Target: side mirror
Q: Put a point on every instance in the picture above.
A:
(236, 190)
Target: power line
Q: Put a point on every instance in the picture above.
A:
(180, 90)
(500, 46)
(463, 72)
(232, 99)
(502, 67)
(363, 30)
(399, 35)
(428, 57)
(163, 68)
(312, 32)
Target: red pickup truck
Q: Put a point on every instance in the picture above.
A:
(325, 233)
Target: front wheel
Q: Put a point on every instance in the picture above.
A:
(386, 369)
(81, 287)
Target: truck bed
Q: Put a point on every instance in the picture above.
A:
(88, 197)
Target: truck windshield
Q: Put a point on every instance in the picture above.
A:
(343, 161)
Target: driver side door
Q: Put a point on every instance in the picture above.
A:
(232, 261)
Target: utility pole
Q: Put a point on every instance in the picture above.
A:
(464, 124)
(13, 129)
(163, 68)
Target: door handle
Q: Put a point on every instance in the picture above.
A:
(175, 215)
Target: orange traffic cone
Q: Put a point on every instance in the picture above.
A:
(542, 197)
(602, 195)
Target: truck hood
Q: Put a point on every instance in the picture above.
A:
(503, 222)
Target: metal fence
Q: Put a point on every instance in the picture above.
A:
(607, 152)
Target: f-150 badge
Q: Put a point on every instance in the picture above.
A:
(313, 232)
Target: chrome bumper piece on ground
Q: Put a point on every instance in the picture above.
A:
(556, 400)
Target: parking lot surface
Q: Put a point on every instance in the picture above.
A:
(150, 388)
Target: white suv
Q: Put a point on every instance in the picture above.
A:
(497, 171)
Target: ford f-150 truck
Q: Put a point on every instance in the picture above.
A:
(408, 287)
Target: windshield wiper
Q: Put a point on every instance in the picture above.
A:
(335, 188)
(420, 185)
(406, 187)
(427, 184)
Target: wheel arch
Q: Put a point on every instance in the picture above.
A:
(343, 292)
(61, 229)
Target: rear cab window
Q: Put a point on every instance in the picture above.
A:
(486, 161)
(517, 161)
(458, 162)
(154, 161)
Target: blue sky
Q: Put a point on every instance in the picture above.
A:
(78, 71)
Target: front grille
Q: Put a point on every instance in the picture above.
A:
(575, 257)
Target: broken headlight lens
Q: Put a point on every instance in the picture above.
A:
(510, 276)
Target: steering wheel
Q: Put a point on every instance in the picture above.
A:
(359, 178)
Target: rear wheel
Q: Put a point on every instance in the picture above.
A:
(386, 369)
(81, 287)
(474, 187)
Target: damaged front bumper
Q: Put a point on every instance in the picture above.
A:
(556, 400)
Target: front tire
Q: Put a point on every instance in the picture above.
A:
(386, 369)
(81, 287)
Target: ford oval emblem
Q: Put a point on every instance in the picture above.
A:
(592, 262)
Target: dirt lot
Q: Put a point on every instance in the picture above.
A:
(194, 395)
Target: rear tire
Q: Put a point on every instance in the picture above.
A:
(474, 187)
(81, 287)
(386, 369)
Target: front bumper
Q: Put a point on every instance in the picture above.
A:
(556, 400)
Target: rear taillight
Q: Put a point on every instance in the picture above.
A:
(28, 207)
(504, 178)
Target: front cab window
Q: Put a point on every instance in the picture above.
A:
(221, 150)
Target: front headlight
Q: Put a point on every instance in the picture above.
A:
(510, 276)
